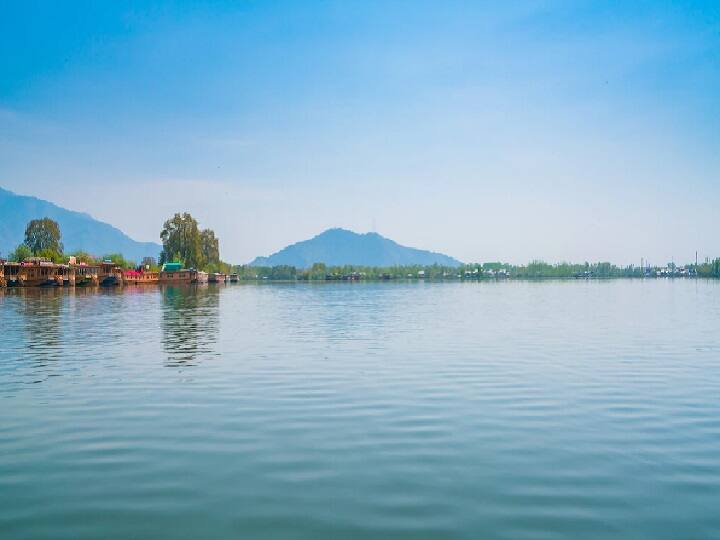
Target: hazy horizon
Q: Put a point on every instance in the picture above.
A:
(533, 130)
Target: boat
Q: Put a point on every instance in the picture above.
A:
(67, 273)
(32, 272)
(175, 274)
(199, 277)
(234, 278)
(216, 277)
(110, 274)
(140, 277)
(11, 274)
(86, 275)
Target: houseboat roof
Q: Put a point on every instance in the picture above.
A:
(172, 267)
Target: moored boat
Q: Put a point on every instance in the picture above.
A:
(32, 272)
(110, 274)
(216, 277)
(234, 278)
(66, 273)
(86, 275)
(175, 274)
(140, 277)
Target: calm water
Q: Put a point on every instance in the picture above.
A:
(492, 410)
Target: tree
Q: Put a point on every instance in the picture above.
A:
(181, 239)
(118, 260)
(210, 247)
(43, 235)
(83, 257)
(21, 253)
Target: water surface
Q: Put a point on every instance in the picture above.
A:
(362, 410)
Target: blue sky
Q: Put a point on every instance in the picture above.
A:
(489, 131)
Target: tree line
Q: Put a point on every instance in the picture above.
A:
(478, 271)
(183, 241)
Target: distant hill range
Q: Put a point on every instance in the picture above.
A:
(336, 247)
(79, 231)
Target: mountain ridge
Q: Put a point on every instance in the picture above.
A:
(80, 231)
(338, 247)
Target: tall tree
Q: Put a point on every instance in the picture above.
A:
(43, 235)
(181, 239)
(210, 247)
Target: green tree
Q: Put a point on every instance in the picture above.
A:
(42, 235)
(83, 257)
(119, 260)
(181, 240)
(21, 253)
(210, 248)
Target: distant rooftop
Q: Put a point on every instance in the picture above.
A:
(172, 267)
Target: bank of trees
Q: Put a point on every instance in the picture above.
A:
(709, 269)
(42, 239)
(184, 242)
(484, 271)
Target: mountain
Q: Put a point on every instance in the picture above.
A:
(336, 247)
(79, 231)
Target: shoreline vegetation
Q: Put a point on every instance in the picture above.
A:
(478, 271)
(186, 246)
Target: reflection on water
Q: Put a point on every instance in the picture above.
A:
(503, 410)
(190, 322)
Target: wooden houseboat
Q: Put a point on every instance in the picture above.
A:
(11, 274)
(66, 272)
(86, 275)
(2, 273)
(216, 277)
(234, 278)
(110, 274)
(174, 274)
(33, 272)
(139, 277)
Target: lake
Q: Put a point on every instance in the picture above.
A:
(554, 409)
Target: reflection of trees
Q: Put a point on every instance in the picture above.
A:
(42, 319)
(189, 323)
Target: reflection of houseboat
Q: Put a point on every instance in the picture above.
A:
(138, 277)
(110, 274)
(86, 275)
(175, 274)
(216, 277)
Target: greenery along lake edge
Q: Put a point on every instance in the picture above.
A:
(183, 241)
(477, 271)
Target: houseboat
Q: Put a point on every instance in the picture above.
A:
(175, 274)
(216, 277)
(110, 274)
(140, 277)
(234, 278)
(66, 272)
(11, 274)
(2, 273)
(86, 275)
(33, 272)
